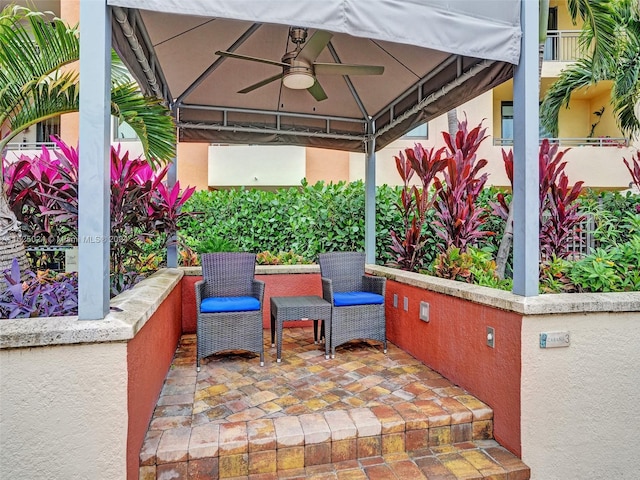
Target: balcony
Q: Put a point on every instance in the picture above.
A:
(15, 150)
(573, 142)
(563, 46)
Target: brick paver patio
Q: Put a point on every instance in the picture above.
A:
(361, 415)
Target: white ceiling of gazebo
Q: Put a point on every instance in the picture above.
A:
(436, 55)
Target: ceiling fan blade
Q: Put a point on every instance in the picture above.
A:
(314, 46)
(264, 82)
(317, 91)
(222, 53)
(345, 69)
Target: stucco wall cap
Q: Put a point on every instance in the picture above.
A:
(539, 305)
(129, 312)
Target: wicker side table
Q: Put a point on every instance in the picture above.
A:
(286, 309)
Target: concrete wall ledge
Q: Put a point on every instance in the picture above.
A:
(129, 312)
(540, 305)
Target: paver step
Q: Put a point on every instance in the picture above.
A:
(482, 459)
(353, 417)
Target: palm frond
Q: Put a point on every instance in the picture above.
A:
(33, 45)
(577, 75)
(625, 93)
(599, 31)
(150, 120)
(34, 48)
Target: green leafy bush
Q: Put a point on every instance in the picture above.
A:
(282, 258)
(304, 220)
(472, 266)
(614, 215)
(215, 244)
(616, 269)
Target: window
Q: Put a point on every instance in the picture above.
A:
(421, 131)
(122, 131)
(552, 43)
(47, 128)
(506, 124)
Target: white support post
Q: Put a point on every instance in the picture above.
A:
(172, 250)
(93, 182)
(526, 249)
(370, 195)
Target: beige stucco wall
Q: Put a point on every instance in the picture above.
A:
(579, 403)
(63, 412)
(256, 165)
(327, 165)
(573, 122)
(607, 126)
(192, 167)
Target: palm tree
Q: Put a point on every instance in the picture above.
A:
(611, 36)
(37, 82)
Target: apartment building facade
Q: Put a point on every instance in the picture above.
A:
(587, 128)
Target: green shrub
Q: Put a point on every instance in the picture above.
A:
(305, 220)
(215, 244)
(616, 269)
(473, 266)
(282, 258)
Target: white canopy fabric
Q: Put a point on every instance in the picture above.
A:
(436, 55)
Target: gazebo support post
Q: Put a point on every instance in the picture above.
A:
(526, 249)
(172, 250)
(93, 182)
(370, 194)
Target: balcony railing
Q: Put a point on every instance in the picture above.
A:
(23, 146)
(573, 142)
(563, 46)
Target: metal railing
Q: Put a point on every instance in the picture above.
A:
(563, 46)
(573, 142)
(23, 146)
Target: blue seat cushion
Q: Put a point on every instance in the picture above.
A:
(346, 299)
(229, 304)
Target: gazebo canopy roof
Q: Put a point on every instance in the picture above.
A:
(436, 55)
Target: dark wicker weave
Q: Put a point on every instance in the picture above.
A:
(285, 309)
(344, 272)
(229, 275)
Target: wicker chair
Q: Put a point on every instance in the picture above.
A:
(229, 302)
(357, 299)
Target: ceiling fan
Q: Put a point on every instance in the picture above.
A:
(299, 66)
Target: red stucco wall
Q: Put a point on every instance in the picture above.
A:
(281, 285)
(149, 356)
(454, 344)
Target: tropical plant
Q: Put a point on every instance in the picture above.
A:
(282, 258)
(472, 266)
(43, 194)
(554, 276)
(615, 216)
(414, 204)
(559, 216)
(458, 219)
(141, 207)
(216, 244)
(43, 294)
(610, 40)
(36, 83)
(634, 170)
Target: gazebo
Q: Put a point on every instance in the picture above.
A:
(236, 72)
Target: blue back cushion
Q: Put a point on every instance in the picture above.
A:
(229, 304)
(346, 299)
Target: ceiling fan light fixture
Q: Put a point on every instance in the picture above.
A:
(298, 80)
